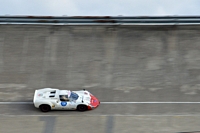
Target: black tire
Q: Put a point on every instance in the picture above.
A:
(82, 108)
(45, 108)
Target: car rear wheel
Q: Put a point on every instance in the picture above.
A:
(45, 108)
(82, 108)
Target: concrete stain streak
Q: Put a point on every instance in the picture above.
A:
(13, 86)
(110, 124)
(24, 53)
(110, 45)
(190, 90)
(46, 60)
(1, 53)
(53, 42)
(49, 124)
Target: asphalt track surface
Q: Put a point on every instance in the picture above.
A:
(107, 118)
(147, 78)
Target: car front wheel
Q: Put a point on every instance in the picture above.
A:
(82, 108)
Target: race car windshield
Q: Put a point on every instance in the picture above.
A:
(73, 96)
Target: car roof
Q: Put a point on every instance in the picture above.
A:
(64, 92)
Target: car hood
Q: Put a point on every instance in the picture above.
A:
(87, 98)
(83, 96)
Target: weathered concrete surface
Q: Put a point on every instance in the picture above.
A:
(108, 110)
(115, 63)
(159, 63)
(126, 118)
(99, 124)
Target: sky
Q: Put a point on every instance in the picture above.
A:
(100, 7)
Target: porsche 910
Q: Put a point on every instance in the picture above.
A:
(48, 99)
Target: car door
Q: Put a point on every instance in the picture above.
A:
(72, 105)
(64, 105)
(67, 105)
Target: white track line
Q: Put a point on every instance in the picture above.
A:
(16, 102)
(145, 102)
(116, 103)
(116, 115)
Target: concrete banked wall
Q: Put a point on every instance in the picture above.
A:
(112, 57)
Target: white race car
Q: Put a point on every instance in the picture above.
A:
(54, 99)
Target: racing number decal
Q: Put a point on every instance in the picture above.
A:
(63, 103)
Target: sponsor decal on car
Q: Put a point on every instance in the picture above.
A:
(39, 95)
(63, 103)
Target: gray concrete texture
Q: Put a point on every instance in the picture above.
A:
(99, 124)
(105, 119)
(115, 63)
(160, 61)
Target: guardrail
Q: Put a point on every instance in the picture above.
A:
(101, 20)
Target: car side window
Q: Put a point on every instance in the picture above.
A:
(64, 98)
